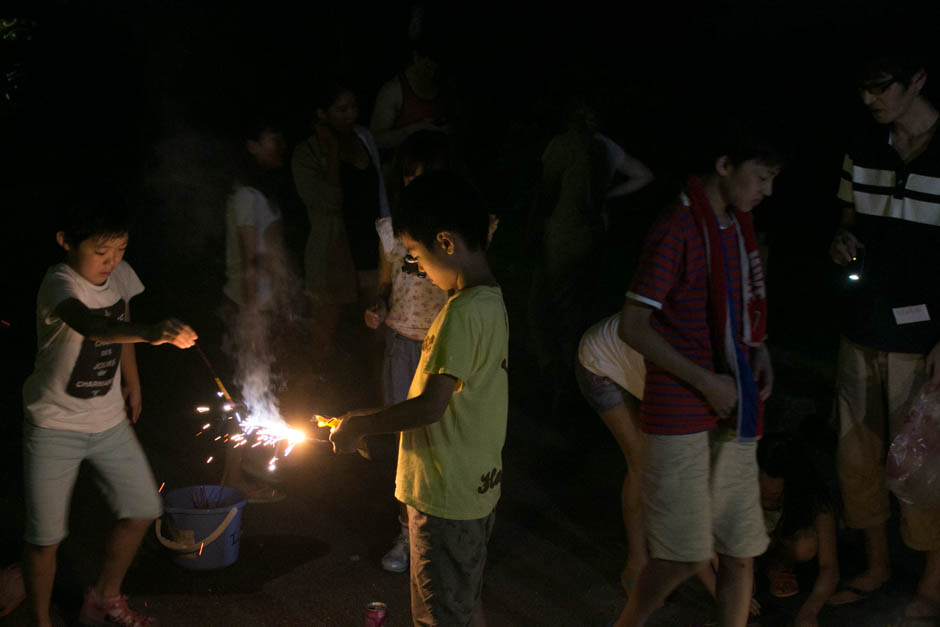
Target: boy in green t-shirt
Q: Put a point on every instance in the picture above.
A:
(453, 424)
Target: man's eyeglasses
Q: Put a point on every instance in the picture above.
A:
(876, 89)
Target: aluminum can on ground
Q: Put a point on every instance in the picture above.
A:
(375, 614)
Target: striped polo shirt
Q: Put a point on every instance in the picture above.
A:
(895, 307)
(672, 277)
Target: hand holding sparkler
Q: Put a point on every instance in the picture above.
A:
(172, 331)
(343, 435)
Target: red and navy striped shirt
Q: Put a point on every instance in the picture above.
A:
(672, 277)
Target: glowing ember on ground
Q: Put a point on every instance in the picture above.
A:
(161, 487)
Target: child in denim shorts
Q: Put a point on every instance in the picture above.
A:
(79, 403)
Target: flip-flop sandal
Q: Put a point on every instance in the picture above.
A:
(783, 583)
(862, 595)
(12, 589)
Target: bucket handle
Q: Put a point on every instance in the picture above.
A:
(179, 547)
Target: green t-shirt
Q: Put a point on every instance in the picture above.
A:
(453, 468)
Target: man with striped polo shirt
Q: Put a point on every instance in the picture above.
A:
(696, 310)
(890, 313)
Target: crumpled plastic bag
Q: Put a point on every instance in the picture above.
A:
(913, 468)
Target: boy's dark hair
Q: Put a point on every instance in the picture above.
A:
(328, 91)
(102, 216)
(805, 492)
(429, 46)
(256, 123)
(741, 139)
(427, 148)
(442, 201)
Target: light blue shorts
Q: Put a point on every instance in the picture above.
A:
(51, 458)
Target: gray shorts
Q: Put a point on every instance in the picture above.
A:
(51, 458)
(600, 392)
(447, 560)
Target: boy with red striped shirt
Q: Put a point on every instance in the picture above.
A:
(697, 312)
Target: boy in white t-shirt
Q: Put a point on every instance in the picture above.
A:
(79, 403)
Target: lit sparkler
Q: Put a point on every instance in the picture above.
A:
(258, 421)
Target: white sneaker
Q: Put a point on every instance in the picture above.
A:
(396, 560)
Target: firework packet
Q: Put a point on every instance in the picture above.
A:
(913, 465)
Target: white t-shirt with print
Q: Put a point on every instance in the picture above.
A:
(76, 384)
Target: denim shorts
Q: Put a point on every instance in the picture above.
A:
(600, 392)
(402, 355)
(51, 458)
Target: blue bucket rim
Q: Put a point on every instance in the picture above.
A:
(197, 511)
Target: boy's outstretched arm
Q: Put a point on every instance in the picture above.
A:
(719, 390)
(130, 378)
(420, 411)
(170, 331)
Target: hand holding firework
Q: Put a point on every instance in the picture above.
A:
(172, 331)
(343, 435)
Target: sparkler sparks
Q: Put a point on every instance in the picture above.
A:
(258, 418)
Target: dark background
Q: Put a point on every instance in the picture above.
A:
(146, 97)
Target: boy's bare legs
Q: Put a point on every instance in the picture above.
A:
(735, 580)
(656, 582)
(119, 552)
(39, 563)
(927, 601)
(622, 423)
(878, 570)
(709, 577)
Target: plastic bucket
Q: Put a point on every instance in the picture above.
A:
(203, 525)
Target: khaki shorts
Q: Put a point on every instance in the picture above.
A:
(447, 559)
(701, 497)
(874, 391)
